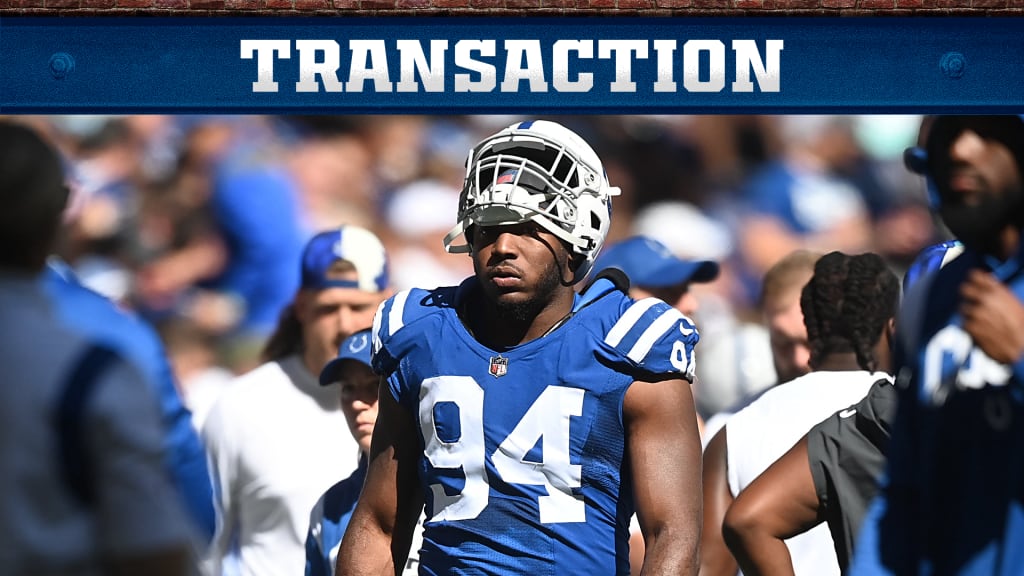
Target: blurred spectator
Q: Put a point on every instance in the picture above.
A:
(902, 221)
(734, 348)
(790, 351)
(192, 352)
(396, 143)
(685, 230)
(653, 270)
(236, 275)
(90, 313)
(783, 320)
(353, 374)
(798, 200)
(419, 215)
(333, 167)
(98, 240)
(277, 439)
(84, 474)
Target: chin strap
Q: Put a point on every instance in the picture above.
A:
(452, 235)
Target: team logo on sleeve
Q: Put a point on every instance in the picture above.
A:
(498, 366)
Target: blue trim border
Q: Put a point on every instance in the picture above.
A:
(191, 65)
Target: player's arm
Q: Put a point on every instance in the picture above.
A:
(378, 537)
(715, 558)
(664, 449)
(781, 503)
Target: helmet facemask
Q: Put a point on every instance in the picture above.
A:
(543, 174)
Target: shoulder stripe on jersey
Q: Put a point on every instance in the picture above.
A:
(656, 330)
(628, 319)
(951, 254)
(397, 311)
(378, 317)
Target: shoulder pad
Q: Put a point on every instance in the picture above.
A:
(654, 337)
(394, 324)
(606, 283)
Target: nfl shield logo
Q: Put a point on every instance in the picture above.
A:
(498, 367)
(506, 177)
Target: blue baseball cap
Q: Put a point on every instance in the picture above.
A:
(355, 347)
(356, 245)
(648, 263)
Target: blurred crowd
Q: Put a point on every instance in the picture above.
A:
(198, 222)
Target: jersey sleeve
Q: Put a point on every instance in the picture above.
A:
(391, 317)
(652, 339)
(399, 326)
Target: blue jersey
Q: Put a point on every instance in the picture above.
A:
(263, 238)
(523, 464)
(931, 259)
(91, 314)
(329, 520)
(952, 501)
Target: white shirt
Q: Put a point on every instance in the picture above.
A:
(761, 433)
(43, 528)
(277, 441)
(201, 391)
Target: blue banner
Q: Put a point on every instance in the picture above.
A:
(510, 65)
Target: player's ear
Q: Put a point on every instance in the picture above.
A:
(887, 339)
(573, 261)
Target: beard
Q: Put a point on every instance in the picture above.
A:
(524, 310)
(979, 226)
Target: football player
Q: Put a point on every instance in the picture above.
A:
(527, 419)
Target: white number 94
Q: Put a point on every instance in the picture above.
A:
(546, 420)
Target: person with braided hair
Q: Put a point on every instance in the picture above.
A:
(848, 308)
(830, 475)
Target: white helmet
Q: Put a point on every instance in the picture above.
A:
(537, 171)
